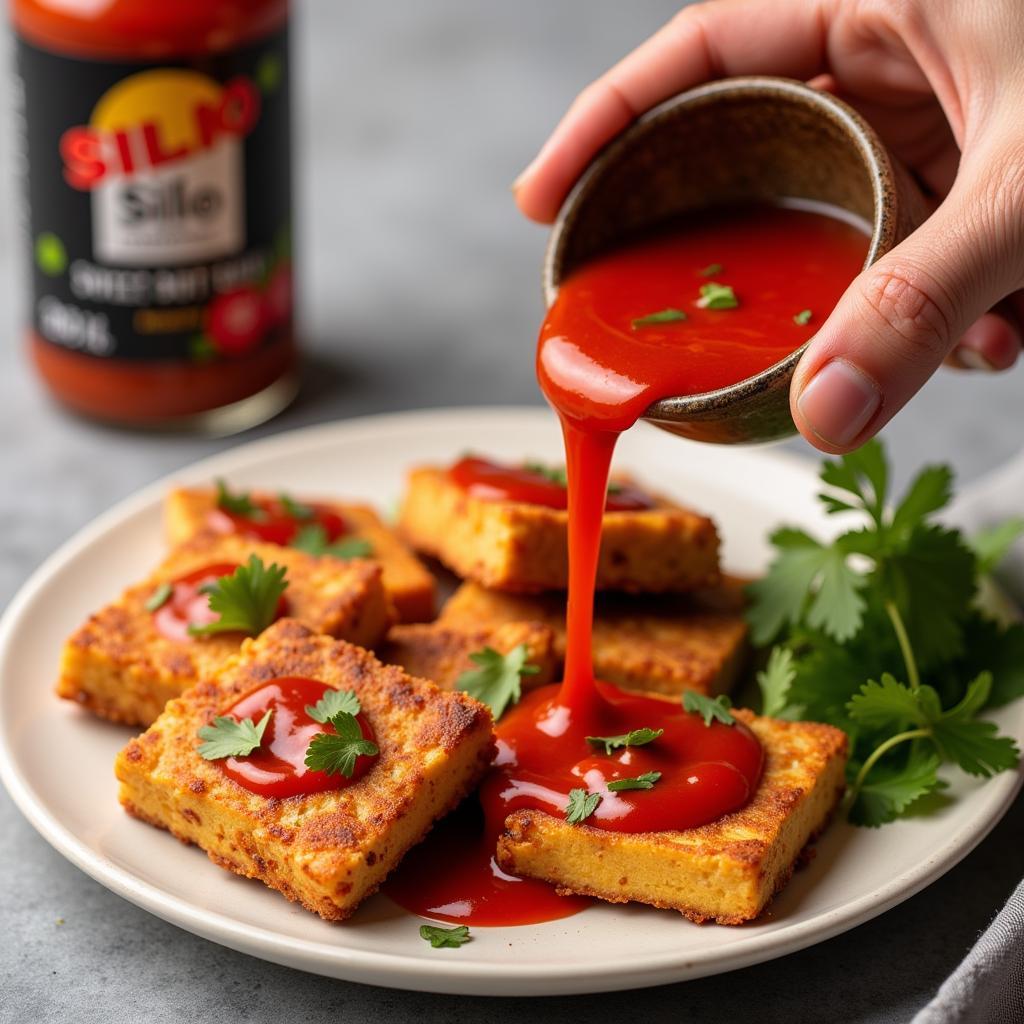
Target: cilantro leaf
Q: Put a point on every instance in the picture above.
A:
(974, 745)
(710, 270)
(313, 540)
(240, 504)
(295, 509)
(889, 704)
(633, 738)
(645, 781)
(929, 491)
(717, 296)
(333, 702)
(553, 474)
(803, 317)
(160, 596)
(445, 938)
(709, 708)
(581, 805)
(227, 737)
(891, 790)
(335, 754)
(247, 600)
(864, 474)
(496, 682)
(992, 545)
(989, 646)
(775, 681)
(663, 316)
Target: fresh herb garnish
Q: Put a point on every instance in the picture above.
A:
(581, 806)
(335, 754)
(445, 938)
(634, 738)
(295, 509)
(803, 317)
(228, 737)
(246, 600)
(496, 682)
(333, 702)
(240, 504)
(709, 708)
(892, 597)
(645, 781)
(553, 474)
(160, 596)
(717, 296)
(313, 540)
(663, 316)
(710, 270)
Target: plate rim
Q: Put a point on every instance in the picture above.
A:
(397, 970)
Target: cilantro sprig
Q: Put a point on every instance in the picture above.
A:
(581, 806)
(246, 600)
(645, 781)
(332, 703)
(295, 509)
(227, 737)
(714, 295)
(892, 598)
(663, 316)
(709, 708)
(557, 475)
(633, 738)
(497, 682)
(336, 753)
(239, 503)
(313, 540)
(445, 938)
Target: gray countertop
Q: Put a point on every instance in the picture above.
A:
(420, 287)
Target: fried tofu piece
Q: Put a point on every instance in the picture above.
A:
(441, 654)
(659, 644)
(409, 583)
(725, 871)
(326, 850)
(524, 548)
(119, 666)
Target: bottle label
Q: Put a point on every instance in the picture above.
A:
(158, 202)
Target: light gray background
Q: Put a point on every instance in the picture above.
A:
(419, 288)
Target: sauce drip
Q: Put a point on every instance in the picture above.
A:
(277, 768)
(601, 371)
(274, 524)
(493, 481)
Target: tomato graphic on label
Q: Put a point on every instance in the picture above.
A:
(237, 320)
(279, 294)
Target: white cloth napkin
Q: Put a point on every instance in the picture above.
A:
(988, 986)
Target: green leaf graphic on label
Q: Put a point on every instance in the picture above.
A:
(51, 256)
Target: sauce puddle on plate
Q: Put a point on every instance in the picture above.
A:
(704, 304)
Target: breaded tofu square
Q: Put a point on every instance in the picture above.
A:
(119, 666)
(327, 850)
(524, 548)
(441, 654)
(725, 871)
(655, 644)
(407, 580)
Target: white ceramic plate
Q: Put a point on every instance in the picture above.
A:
(71, 799)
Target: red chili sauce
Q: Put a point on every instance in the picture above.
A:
(601, 370)
(189, 603)
(274, 524)
(494, 481)
(277, 768)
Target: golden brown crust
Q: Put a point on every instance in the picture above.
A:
(409, 583)
(119, 667)
(523, 548)
(725, 871)
(657, 644)
(329, 850)
(441, 654)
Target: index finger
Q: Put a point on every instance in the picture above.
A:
(706, 41)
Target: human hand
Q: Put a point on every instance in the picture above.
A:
(942, 83)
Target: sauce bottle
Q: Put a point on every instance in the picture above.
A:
(154, 137)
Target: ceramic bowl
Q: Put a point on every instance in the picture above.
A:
(727, 142)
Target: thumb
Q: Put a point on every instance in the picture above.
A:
(901, 317)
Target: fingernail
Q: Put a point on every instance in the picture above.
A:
(972, 359)
(839, 402)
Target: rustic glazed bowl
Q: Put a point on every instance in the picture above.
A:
(735, 140)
